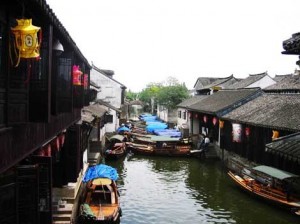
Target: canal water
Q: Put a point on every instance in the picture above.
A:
(187, 190)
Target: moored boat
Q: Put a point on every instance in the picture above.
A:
(160, 145)
(116, 147)
(118, 150)
(101, 197)
(271, 184)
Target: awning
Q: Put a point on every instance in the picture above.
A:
(89, 113)
(287, 147)
(274, 172)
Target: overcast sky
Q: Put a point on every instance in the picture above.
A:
(147, 41)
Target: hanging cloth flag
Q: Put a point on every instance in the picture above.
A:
(236, 132)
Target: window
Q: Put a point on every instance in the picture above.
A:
(184, 115)
(179, 113)
(61, 83)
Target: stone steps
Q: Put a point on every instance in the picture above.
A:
(62, 211)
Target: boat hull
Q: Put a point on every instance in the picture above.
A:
(267, 193)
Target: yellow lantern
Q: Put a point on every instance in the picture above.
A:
(26, 40)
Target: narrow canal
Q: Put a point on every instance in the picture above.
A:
(187, 190)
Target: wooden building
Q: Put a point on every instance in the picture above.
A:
(40, 104)
(248, 128)
(204, 115)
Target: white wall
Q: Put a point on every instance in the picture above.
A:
(180, 120)
(110, 92)
(263, 83)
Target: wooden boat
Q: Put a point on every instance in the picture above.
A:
(271, 184)
(159, 145)
(118, 150)
(142, 149)
(116, 147)
(101, 204)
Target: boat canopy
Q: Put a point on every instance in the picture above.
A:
(274, 172)
(117, 137)
(100, 171)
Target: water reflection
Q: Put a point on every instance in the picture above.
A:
(178, 190)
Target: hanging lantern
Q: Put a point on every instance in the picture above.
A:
(61, 139)
(275, 134)
(196, 115)
(247, 131)
(214, 120)
(221, 124)
(55, 145)
(76, 75)
(26, 40)
(205, 119)
(85, 81)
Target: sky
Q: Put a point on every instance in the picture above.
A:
(146, 41)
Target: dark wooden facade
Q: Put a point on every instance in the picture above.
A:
(38, 103)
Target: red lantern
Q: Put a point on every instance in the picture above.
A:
(61, 139)
(205, 118)
(85, 81)
(215, 120)
(55, 144)
(247, 131)
(76, 76)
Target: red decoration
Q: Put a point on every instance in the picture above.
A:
(214, 120)
(205, 119)
(76, 76)
(61, 139)
(55, 144)
(85, 81)
(247, 131)
(196, 116)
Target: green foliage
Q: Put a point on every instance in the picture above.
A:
(131, 95)
(171, 96)
(151, 91)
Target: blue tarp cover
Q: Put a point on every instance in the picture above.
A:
(152, 127)
(99, 171)
(168, 132)
(122, 129)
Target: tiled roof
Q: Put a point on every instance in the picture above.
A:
(287, 146)
(190, 101)
(102, 102)
(288, 82)
(225, 83)
(244, 83)
(278, 78)
(225, 100)
(89, 113)
(205, 81)
(278, 111)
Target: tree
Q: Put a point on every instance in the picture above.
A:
(131, 95)
(170, 96)
(148, 96)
